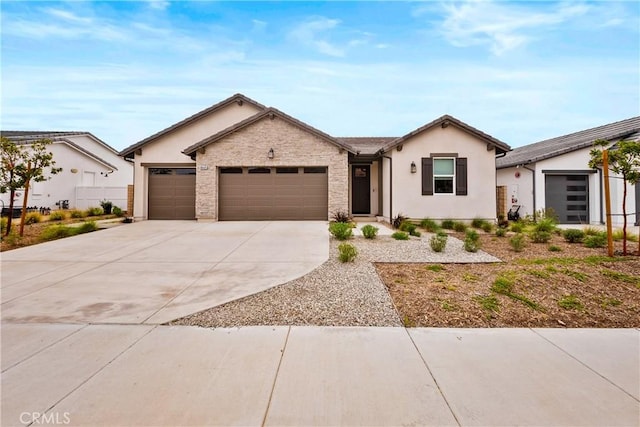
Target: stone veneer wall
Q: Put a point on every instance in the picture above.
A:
(292, 146)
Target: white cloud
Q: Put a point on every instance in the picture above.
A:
(158, 4)
(313, 33)
(503, 27)
(258, 25)
(68, 16)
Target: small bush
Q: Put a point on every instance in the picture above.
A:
(554, 248)
(56, 232)
(517, 227)
(400, 235)
(501, 232)
(429, 225)
(369, 231)
(595, 241)
(477, 222)
(573, 235)
(117, 211)
(471, 241)
(487, 227)
(538, 236)
(517, 242)
(407, 226)
(397, 221)
(57, 216)
(94, 211)
(33, 218)
(438, 242)
(86, 227)
(340, 216)
(347, 252)
(591, 231)
(3, 225)
(459, 226)
(75, 213)
(448, 224)
(416, 233)
(340, 230)
(547, 225)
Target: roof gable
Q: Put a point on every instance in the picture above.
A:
(444, 122)
(270, 113)
(628, 128)
(237, 98)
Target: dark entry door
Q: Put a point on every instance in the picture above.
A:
(361, 189)
(568, 195)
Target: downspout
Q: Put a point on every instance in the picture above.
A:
(390, 185)
(533, 175)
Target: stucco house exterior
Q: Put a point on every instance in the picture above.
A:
(241, 160)
(92, 171)
(554, 173)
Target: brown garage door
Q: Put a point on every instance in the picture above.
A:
(283, 193)
(172, 193)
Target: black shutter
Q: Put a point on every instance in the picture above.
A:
(461, 176)
(427, 176)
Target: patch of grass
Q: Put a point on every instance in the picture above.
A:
(618, 235)
(554, 248)
(435, 268)
(517, 242)
(60, 231)
(448, 305)
(400, 235)
(75, 213)
(407, 227)
(447, 224)
(547, 225)
(504, 285)
(340, 230)
(487, 227)
(542, 274)
(570, 302)
(3, 225)
(407, 322)
(573, 235)
(610, 302)
(581, 277)
(595, 241)
(459, 226)
(622, 277)
(347, 252)
(471, 241)
(488, 302)
(33, 218)
(517, 227)
(501, 232)
(94, 211)
(369, 231)
(57, 216)
(438, 242)
(470, 277)
(429, 225)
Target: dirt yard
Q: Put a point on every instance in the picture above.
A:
(573, 286)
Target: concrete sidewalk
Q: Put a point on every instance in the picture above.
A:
(146, 375)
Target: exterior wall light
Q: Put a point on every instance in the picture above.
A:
(271, 154)
(414, 169)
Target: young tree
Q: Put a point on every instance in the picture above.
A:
(624, 160)
(10, 180)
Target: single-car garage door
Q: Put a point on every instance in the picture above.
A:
(172, 193)
(282, 193)
(568, 195)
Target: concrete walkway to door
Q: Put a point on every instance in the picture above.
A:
(155, 271)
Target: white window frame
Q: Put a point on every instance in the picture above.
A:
(452, 176)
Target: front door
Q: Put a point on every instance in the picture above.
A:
(361, 189)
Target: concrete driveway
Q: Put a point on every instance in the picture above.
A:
(155, 271)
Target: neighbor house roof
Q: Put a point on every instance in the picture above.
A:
(629, 128)
(367, 145)
(238, 97)
(271, 113)
(445, 121)
(27, 137)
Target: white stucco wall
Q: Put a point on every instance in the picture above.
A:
(167, 149)
(480, 201)
(519, 189)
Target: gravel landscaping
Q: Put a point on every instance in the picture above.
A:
(335, 294)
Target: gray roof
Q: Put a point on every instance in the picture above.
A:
(22, 137)
(367, 145)
(624, 129)
(238, 97)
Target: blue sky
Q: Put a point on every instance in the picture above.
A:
(123, 70)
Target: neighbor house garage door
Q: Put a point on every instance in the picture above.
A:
(283, 193)
(172, 193)
(568, 195)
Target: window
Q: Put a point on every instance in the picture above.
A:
(443, 175)
(286, 170)
(231, 170)
(259, 170)
(315, 170)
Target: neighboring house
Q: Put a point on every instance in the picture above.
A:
(239, 160)
(92, 171)
(555, 174)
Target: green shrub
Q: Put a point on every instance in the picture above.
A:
(397, 221)
(448, 224)
(340, 216)
(591, 231)
(56, 232)
(438, 242)
(107, 206)
(573, 235)
(347, 252)
(618, 234)
(75, 213)
(416, 233)
(517, 227)
(369, 231)
(548, 225)
(459, 226)
(429, 225)
(517, 242)
(33, 218)
(86, 227)
(471, 241)
(57, 216)
(501, 232)
(94, 211)
(340, 230)
(477, 222)
(3, 225)
(554, 248)
(117, 211)
(596, 241)
(400, 235)
(538, 236)
(487, 227)
(407, 226)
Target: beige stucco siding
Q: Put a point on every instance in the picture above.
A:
(249, 146)
(480, 200)
(167, 149)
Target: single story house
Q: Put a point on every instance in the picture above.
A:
(241, 160)
(92, 171)
(555, 173)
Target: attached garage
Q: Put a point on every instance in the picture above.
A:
(276, 193)
(172, 193)
(568, 196)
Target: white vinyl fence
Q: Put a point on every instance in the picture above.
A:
(92, 196)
